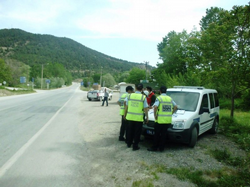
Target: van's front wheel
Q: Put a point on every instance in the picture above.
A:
(193, 138)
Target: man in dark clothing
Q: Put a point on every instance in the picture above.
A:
(151, 97)
(122, 104)
(106, 95)
(136, 105)
(164, 107)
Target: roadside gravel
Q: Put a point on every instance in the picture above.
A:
(113, 164)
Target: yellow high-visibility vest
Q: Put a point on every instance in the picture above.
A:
(135, 107)
(122, 103)
(165, 108)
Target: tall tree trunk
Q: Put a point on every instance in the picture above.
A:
(232, 100)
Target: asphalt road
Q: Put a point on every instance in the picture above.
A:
(41, 143)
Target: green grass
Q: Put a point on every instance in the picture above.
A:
(85, 88)
(143, 183)
(195, 176)
(240, 117)
(237, 128)
(226, 157)
(203, 178)
(223, 177)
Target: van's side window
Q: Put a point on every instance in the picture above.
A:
(204, 102)
(211, 97)
(216, 99)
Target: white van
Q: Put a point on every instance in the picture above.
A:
(198, 112)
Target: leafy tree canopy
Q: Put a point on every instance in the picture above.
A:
(5, 72)
(108, 80)
(135, 75)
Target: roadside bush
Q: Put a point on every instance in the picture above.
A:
(246, 100)
(229, 125)
(226, 104)
(56, 82)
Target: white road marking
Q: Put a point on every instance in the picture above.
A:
(20, 152)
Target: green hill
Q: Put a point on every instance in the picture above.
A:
(33, 49)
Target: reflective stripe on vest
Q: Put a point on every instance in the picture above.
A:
(164, 113)
(135, 107)
(122, 103)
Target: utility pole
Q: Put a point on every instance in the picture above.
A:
(42, 77)
(146, 63)
(80, 71)
(101, 78)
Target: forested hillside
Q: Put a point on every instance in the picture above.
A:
(33, 49)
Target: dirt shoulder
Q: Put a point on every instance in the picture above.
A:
(116, 165)
(4, 92)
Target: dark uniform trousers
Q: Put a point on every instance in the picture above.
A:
(160, 135)
(134, 133)
(123, 129)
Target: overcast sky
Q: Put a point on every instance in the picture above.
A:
(125, 29)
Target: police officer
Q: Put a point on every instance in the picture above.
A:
(164, 107)
(121, 103)
(136, 105)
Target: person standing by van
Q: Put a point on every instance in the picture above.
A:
(164, 107)
(136, 105)
(150, 97)
(106, 95)
(122, 104)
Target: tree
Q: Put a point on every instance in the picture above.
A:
(135, 75)
(85, 82)
(5, 72)
(108, 80)
(18, 69)
(124, 76)
(35, 71)
(227, 52)
(213, 15)
(96, 77)
(172, 51)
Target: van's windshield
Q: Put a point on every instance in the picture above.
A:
(185, 100)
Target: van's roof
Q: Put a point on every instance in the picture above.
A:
(197, 89)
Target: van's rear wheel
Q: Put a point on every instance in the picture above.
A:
(214, 129)
(193, 138)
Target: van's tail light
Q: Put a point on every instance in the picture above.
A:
(97, 94)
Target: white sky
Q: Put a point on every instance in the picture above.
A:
(126, 29)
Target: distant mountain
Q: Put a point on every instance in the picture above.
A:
(41, 49)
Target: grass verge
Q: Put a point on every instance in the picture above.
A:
(237, 169)
(237, 128)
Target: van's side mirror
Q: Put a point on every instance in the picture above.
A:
(204, 109)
